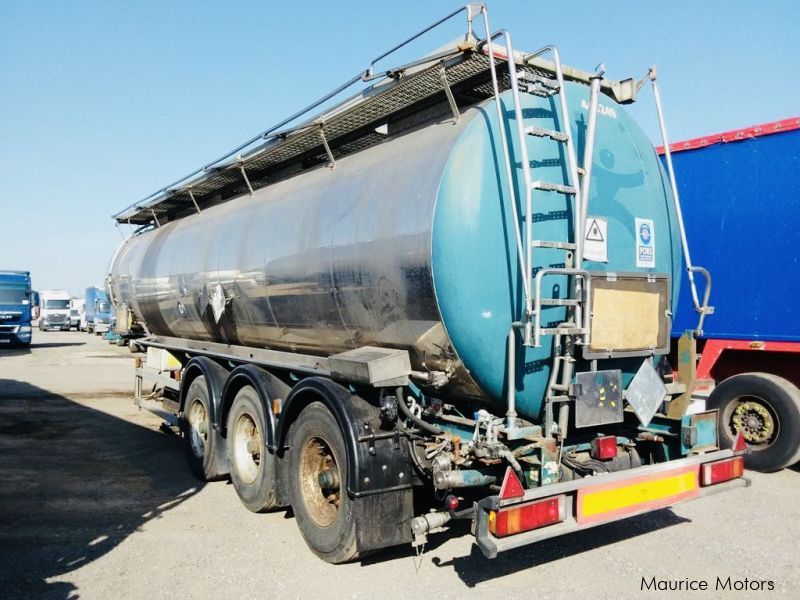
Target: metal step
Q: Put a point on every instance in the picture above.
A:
(564, 330)
(558, 136)
(551, 244)
(559, 302)
(553, 187)
(537, 85)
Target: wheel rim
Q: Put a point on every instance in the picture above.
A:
(198, 427)
(755, 418)
(319, 481)
(247, 448)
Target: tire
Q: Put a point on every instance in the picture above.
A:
(328, 526)
(252, 466)
(767, 408)
(199, 438)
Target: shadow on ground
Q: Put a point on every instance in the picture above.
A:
(75, 483)
(9, 351)
(475, 568)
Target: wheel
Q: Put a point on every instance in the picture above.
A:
(252, 466)
(766, 409)
(196, 429)
(317, 479)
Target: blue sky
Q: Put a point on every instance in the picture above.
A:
(101, 103)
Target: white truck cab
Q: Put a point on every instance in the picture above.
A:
(55, 307)
(76, 314)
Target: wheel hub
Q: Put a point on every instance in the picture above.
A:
(754, 421)
(198, 430)
(247, 448)
(319, 481)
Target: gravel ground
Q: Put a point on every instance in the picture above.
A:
(97, 502)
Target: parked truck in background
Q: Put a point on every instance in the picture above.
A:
(741, 201)
(18, 307)
(77, 316)
(54, 310)
(98, 311)
(427, 304)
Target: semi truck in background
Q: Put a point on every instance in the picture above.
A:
(98, 311)
(740, 194)
(77, 315)
(54, 310)
(426, 304)
(19, 306)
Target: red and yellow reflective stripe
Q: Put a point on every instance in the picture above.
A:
(648, 492)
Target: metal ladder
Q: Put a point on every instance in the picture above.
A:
(577, 188)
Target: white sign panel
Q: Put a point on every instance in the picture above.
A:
(595, 243)
(645, 244)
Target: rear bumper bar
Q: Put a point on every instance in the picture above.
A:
(613, 485)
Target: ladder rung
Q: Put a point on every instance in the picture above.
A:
(553, 187)
(581, 171)
(563, 330)
(551, 244)
(558, 136)
(559, 302)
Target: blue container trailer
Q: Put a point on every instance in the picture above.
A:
(740, 193)
(18, 305)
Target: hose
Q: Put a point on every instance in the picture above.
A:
(401, 403)
(590, 466)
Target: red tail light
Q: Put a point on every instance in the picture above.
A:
(525, 517)
(722, 470)
(604, 448)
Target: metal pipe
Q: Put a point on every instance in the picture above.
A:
(191, 195)
(468, 7)
(506, 158)
(511, 399)
(588, 155)
(537, 308)
(325, 144)
(464, 478)
(676, 199)
(246, 180)
(706, 295)
(526, 169)
(449, 93)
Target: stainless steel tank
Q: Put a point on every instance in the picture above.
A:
(407, 244)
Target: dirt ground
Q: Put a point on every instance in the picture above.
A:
(97, 502)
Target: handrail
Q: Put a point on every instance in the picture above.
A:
(363, 76)
(702, 309)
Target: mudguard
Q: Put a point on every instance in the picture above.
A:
(267, 386)
(379, 458)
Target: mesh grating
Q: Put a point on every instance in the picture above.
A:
(347, 130)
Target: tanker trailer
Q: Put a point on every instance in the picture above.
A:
(420, 306)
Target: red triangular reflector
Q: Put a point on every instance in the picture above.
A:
(511, 488)
(739, 444)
